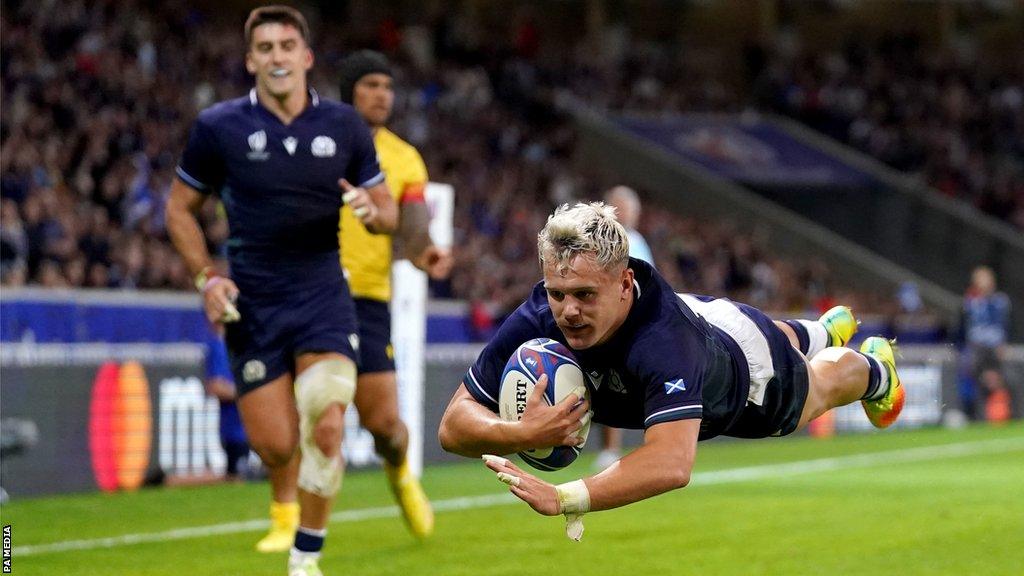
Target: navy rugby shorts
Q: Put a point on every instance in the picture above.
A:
(784, 394)
(278, 325)
(375, 351)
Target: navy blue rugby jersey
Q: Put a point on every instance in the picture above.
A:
(279, 183)
(664, 363)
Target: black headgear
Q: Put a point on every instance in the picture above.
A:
(357, 65)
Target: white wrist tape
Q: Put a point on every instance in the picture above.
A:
(573, 497)
(573, 501)
(231, 313)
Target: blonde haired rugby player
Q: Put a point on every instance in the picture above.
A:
(680, 367)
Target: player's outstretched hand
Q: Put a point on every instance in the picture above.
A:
(361, 203)
(435, 261)
(540, 495)
(546, 426)
(219, 296)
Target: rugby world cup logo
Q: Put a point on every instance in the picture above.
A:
(257, 146)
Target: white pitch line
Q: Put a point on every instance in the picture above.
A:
(710, 478)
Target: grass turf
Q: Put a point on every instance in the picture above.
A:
(937, 514)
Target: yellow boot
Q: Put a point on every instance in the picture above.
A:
(284, 520)
(840, 324)
(416, 509)
(884, 411)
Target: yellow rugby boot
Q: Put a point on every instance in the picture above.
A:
(416, 509)
(884, 411)
(284, 520)
(840, 324)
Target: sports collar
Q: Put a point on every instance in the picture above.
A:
(313, 97)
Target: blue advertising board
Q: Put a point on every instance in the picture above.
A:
(750, 151)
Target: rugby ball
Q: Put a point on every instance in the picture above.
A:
(529, 362)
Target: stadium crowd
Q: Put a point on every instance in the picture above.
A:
(97, 98)
(939, 114)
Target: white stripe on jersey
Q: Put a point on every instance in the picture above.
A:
(731, 320)
(670, 410)
(479, 387)
(190, 180)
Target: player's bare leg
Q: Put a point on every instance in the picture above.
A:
(324, 384)
(834, 328)
(790, 334)
(841, 376)
(377, 402)
(327, 435)
(838, 376)
(272, 425)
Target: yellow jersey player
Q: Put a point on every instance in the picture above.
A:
(366, 83)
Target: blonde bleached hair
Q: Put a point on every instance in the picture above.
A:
(584, 229)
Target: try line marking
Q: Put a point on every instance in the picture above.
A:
(710, 478)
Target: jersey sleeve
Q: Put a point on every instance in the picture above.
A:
(201, 165)
(364, 167)
(670, 366)
(483, 379)
(416, 185)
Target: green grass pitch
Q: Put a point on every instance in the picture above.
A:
(921, 502)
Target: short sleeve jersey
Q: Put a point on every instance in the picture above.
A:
(652, 370)
(279, 182)
(367, 257)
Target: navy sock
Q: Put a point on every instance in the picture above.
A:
(801, 335)
(874, 377)
(309, 540)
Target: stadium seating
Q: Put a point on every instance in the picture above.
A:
(84, 179)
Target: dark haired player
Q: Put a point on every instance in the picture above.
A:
(282, 160)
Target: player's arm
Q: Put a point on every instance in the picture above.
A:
(387, 210)
(469, 428)
(183, 203)
(373, 206)
(413, 240)
(661, 464)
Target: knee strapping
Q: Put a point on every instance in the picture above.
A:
(322, 384)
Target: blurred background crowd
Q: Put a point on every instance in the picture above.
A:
(97, 99)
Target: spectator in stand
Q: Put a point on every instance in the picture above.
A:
(933, 113)
(90, 132)
(986, 323)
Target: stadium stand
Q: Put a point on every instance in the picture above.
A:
(83, 180)
(947, 118)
